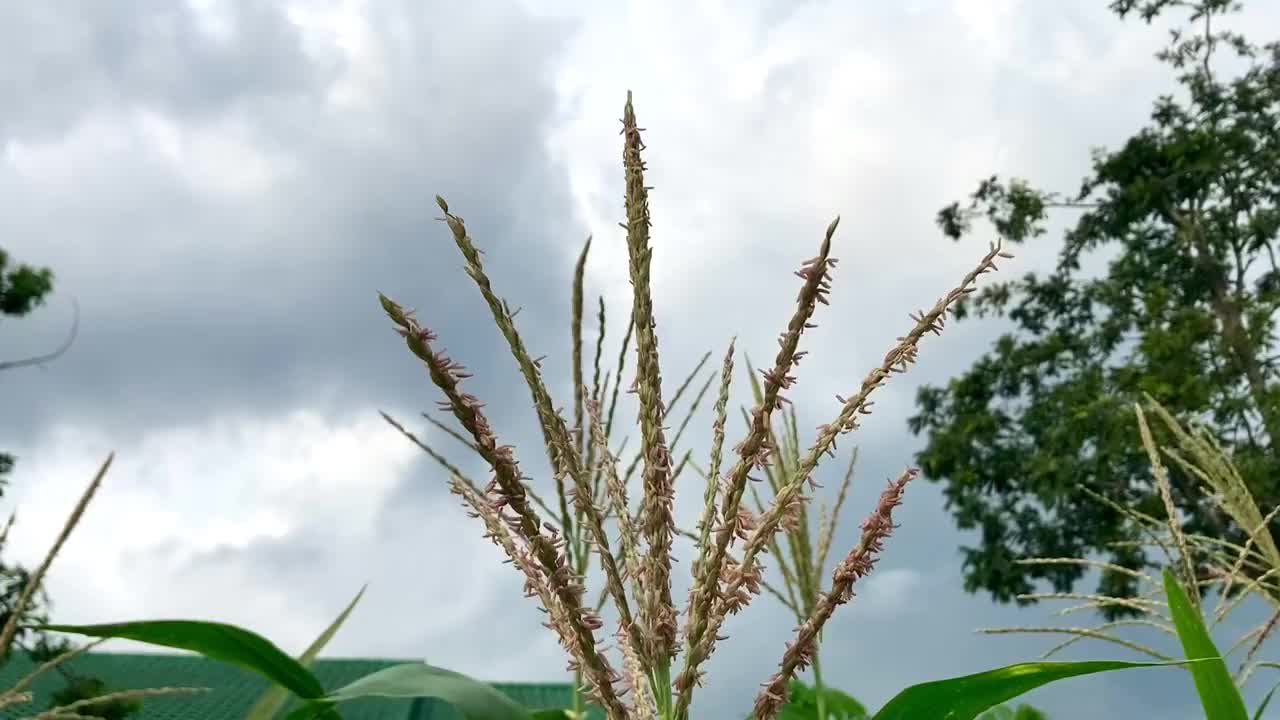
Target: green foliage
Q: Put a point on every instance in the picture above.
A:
(1185, 216)
(1022, 712)
(963, 698)
(83, 688)
(473, 700)
(22, 288)
(803, 704)
(216, 641)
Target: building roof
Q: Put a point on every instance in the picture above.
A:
(234, 690)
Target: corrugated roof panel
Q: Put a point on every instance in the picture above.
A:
(234, 690)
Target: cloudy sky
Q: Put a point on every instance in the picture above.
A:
(224, 186)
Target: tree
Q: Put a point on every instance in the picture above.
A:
(23, 289)
(1185, 217)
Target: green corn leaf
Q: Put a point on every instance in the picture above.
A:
(841, 706)
(963, 698)
(472, 699)
(276, 697)
(1218, 694)
(216, 641)
(802, 704)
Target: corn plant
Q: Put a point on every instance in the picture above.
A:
(638, 572)
(662, 658)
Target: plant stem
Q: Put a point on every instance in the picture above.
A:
(582, 559)
(662, 690)
(577, 695)
(817, 686)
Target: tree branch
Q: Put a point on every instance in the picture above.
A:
(42, 359)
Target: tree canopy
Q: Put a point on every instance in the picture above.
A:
(1183, 219)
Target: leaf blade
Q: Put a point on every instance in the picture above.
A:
(473, 699)
(964, 697)
(1218, 694)
(276, 696)
(216, 641)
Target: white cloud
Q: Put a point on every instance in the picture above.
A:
(888, 591)
(184, 493)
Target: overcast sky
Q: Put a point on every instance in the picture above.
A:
(225, 186)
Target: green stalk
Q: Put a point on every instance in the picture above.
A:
(817, 683)
(581, 557)
(661, 682)
(577, 694)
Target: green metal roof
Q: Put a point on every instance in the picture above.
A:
(234, 690)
